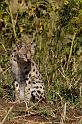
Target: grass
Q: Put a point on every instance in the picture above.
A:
(56, 28)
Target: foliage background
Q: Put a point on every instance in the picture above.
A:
(56, 27)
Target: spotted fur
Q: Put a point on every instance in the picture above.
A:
(27, 78)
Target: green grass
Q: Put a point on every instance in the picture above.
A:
(56, 27)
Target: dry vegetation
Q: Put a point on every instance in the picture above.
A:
(56, 27)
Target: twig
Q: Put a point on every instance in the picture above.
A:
(77, 117)
(71, 49)
(25, 102)
(12, 20)
(4, 47)
(63, 115)
(64, 112)
(7, 115)
(63, 75)
(46, 72)
(35, 104)
(5, 70)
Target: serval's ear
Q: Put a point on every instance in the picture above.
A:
(33, 47)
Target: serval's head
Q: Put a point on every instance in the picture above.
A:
(25, 51)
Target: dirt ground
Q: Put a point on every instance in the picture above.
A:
(42, 113)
